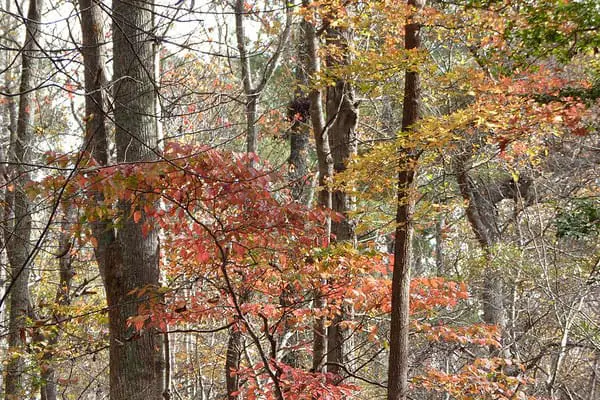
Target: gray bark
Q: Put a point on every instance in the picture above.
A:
(232, 363)
(96, 139)
(9, 130)
(18, 229)
(48, 389)
(131, 262)
(253, 90)
(481, 213)
(325, 166)
(342, 115)
(440, 264)
(299, 114)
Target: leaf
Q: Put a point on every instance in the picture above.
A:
(137, 216)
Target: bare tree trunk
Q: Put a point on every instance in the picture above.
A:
(19, 220)
(481, 213)
(9, 119)
(136, 358)
(342, 115)
(559, 358)
(440, 264)
(232, 363)
(299, 114)
(325, 167)
(96, 139)
(252, 90)
(594, 378)
(400, 318)
(48, 389)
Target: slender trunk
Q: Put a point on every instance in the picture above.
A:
(594, 378)
(232, 363)
(48, 389)
(400, 318)
(342, 115)
(251, 118)
(8, 135)
(136, 358)
(19, 220)
(298, 115)
(247, 81)
(399, 353)
(440, 264)
(253, 90)
(325, 167)
(559, 358)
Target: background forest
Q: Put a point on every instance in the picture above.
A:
(300, 200)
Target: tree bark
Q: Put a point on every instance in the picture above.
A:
(342, 115)
(481, 213)
(400, 318)
(232, 363)
(9, 119)
(131, 261)
(299, 115)
(96, 138)
(48, 389)
(253, 90)
(18, 229)
(325, 166)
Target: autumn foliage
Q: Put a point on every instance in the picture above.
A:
(239, 253)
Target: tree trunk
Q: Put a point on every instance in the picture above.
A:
(96, 139)
(298, 115)
(18, 229)
(251, 118)
(232, 363)
(342, 115)
(481, 213)
(136, 358)
(252, 90)
(400, 318)
(342, 142)
(440, 264)
(48, 389)
(325, 166)
(9, 124)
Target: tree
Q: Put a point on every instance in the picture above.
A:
(18, 232)
(136, 362)
(325, 167)
(252, 90)
(299, 116)
(342, 119)
(398, 362)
